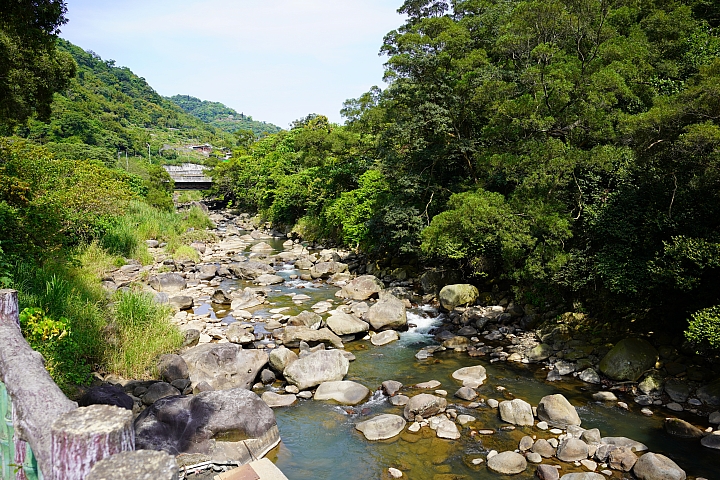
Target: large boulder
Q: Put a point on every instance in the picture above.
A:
(268, 279)
(316, 368)
(388, 313)
(106, 394)
(383, 338)
(345, 324)
(306, 318)
(557, 411)
(250, 270)
(517, 412)
(222, 426)
(629, 359)
(280, 358)
(710, 393)
(507, 463)
(167, 282)
(382, 426)
(292, 336)
(327, 269)
(362, 288)
(343, 391)
(653, 466)
(237, 333)
(425, 405)
(452, 296)
(572, 449)
(248, 298)
(159, 390)
(224, 365)
(471, 377)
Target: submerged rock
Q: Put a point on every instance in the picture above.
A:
(382, 426)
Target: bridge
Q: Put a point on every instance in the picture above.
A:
(189, 176)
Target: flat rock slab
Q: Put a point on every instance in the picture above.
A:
(383, 338)
(471, 377)
(382, 426)
(275, 400)
(316, 368)
(342, 323)
(344, 391)
(507, 463)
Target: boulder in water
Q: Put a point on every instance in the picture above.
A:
(557, 411)
(452, 296)
(388, 313)
(316, 368)
(342, 391)
(362, 288)
(382, 427)
(224, 365)
(507, 463)
(653, 466)
(629, 359)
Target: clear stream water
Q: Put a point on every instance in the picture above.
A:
(319, 440)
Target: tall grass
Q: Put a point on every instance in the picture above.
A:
(127, 235)
(141, 331)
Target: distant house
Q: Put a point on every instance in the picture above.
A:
(205, 148)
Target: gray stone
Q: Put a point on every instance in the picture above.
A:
(543, 447)
(540, 352)
(652, 384)
(625, 442)
(275, 400)
(589, 376)
(547, 472)
(678, 427)
(516, 411)
(224, 415)
(507, 463)
(135, 464)
(306, 319)
(572, 450)
(362, 288)
(424, 405)
(677, 390)
(237, 333)
(526, 443)
(388, 313)
(345, 324)
(455, 295)
(167, 282)
(250, 270)
(316, 368)
(382, 427)
(557, 411)
(343, 391)
(327, 269)
(206, 272)
(399, 400)
(292, 336)
(447, 429)
(653, 466)
(471, 377)
(281, 357)
(466, 393)
(391, 387)
(712, 440)
(591, 436)
(158, 390)
(224, 365)
(710, 394)
(383, 338)
(172, 367)
(268, 279)
(248, 298)
(182, 302)
(629, 359)
(582, 476)
(267, 376)
(621, 458)
(605, 397)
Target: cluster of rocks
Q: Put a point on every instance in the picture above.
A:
(558, 442)
(652, 377)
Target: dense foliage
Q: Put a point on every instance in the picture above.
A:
(569, 146)
(222, 117)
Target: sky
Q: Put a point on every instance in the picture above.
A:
(276, 60)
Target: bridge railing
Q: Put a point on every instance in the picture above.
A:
(67, 441)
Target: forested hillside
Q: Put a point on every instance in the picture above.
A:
(108, 109)
(569, 148)
(221, 116)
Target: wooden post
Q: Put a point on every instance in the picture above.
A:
(139, 464)
(37, 400)
(86, 435)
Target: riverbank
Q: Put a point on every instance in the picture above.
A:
(250, 287)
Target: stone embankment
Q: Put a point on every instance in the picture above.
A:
(230, 351)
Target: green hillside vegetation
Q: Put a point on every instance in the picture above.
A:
(71, 209)
(221, 116)
(568, 148)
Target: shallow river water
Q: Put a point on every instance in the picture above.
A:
(319, 440)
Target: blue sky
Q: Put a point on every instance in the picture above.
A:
(277, 60)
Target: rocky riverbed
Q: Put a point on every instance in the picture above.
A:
(372, 372)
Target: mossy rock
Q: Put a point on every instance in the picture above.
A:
(629, 359)
(458, 294)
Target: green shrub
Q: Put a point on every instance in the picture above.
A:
(704, 329)
(141, 332)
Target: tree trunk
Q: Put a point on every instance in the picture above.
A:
(86, 435)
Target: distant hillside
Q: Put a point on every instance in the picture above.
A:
(108, 109)
(221, 116)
